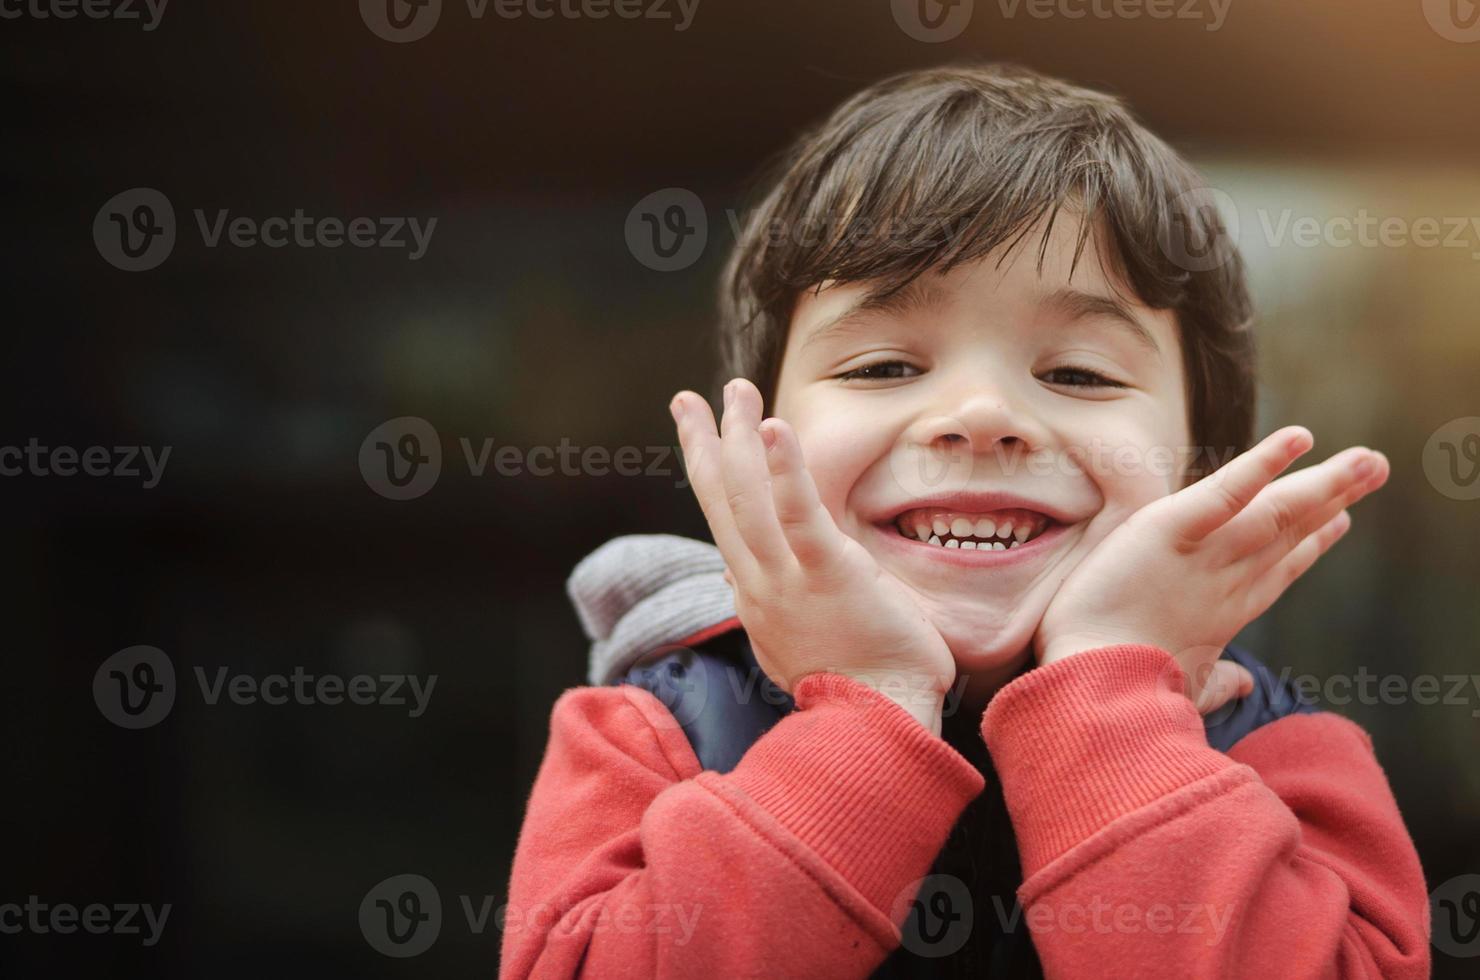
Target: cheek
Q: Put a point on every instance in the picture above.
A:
(1136, 469)
(838, 449)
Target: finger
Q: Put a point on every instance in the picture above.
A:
(1273, 582)
(1215, 499)
(700, 441)
(1292, 508)
(1227, 681)
(747, 477)
(809, 529)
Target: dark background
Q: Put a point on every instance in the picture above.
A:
(529, 321)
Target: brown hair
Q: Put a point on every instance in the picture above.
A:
(929, 169)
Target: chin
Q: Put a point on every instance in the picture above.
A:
(986, 640)
(986, 605)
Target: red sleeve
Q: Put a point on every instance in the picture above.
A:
(1147, 853)
(633, 862)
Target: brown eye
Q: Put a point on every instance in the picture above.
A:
(1083, 378)
(880, 371)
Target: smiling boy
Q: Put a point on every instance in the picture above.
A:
(915, 510)
(897, 402)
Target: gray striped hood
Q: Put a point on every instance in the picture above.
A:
(639, 592)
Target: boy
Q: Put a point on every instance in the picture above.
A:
(961, 288)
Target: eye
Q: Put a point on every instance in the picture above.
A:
(880, 371)
(1085, 378)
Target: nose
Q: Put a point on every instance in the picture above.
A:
(975, 418)
(964, 418)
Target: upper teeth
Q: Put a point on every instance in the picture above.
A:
(999, 531)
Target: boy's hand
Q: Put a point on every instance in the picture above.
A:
(1187, 572)
(810, 597)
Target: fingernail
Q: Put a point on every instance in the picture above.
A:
(768, 438)
(1364, 467)
(676, 408)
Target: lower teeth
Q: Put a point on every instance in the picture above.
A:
(972, 544)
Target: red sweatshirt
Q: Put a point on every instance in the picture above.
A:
(1144, 852)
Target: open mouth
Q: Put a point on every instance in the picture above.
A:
(998, 530)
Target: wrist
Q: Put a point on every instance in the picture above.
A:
(925, 710)
(1059, 651)
(1065, 647)
(920, 697)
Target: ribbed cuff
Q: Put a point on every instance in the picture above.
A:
(861, 783)
(1087, 739)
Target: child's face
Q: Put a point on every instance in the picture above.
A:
(974, 398)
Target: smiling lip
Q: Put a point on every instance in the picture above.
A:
(979, 503)
(1027, 551)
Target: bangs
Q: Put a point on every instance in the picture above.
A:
(932, 169)
(940, 174)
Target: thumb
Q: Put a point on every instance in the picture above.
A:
(1227, 681)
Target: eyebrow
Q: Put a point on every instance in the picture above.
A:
(1075, 304)
(1072, 304)
(912, 297)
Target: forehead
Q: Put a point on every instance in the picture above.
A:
(1041, 274)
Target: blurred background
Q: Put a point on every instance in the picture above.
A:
(528, 319)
